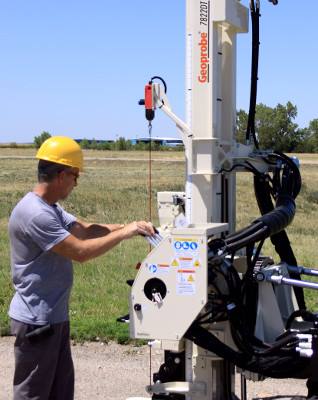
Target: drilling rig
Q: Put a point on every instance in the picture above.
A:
(205, 294)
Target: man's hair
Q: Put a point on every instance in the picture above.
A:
(48, 170)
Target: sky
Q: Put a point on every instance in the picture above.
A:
(78, 68)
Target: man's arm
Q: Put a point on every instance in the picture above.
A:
(81, 250)
(85, 230)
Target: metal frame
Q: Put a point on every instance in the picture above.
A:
(171, 287)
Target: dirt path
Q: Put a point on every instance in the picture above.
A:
(114, 372)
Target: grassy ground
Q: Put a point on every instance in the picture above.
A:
(110, 192)
(168, 155)
(117, 191)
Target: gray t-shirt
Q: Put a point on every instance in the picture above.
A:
(42, 279)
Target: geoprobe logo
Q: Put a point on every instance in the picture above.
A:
(204, 59)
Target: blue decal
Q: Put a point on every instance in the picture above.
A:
(153, 268)
(185, 245)
(177, 245)
(194, 245)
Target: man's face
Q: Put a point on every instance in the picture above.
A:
(67, 180)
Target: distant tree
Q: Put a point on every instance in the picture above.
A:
(93, 145)
(129, 145)
(141, 146)
(121, 143)
(84, 144)
(313, 127)
(305, 144)
(38, 140)
(241, 125)
(156, 146)
(313, 134)
(274, 127)
(178, 148)
(104, 146)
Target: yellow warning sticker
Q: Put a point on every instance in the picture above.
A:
(197, 263)
(191, 279)
(185, 282)
(175, 263)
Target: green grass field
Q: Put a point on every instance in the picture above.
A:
(117, 191)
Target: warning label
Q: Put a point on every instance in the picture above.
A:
(186, 246)
(163, 268)
(186, 252)
(186, 262)
(158, 268)
(186, 282)
(175, 263)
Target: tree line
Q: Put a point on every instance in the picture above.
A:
(119, 144)
(275, 129)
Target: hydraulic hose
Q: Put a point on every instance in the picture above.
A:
(280, 365)
(260, 234)
(280, 239)
(282, 215)
(287, 184)
(267, 225)
(255, 14)
(243, 232)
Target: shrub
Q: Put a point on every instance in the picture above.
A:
(38, 140)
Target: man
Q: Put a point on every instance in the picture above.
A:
(44, 240)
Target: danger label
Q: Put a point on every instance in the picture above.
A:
(186, 253)
(158, 268)
(186, 282)
(186, 262)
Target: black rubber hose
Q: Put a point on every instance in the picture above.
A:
(255, 14)
(279, 240)
(294, 176)
(243, 232)
(280, 365)
(208, 341)
(282, 215)
(261, 234)
(269, 224)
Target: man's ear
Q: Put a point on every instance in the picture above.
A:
(60, 176)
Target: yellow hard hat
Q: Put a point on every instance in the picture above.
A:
(61, 150)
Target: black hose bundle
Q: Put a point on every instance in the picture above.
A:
(277, 364)
(263, 227)
(286, 184)
(289, 185)
(240, 305)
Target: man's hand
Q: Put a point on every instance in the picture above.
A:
(138, 228)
